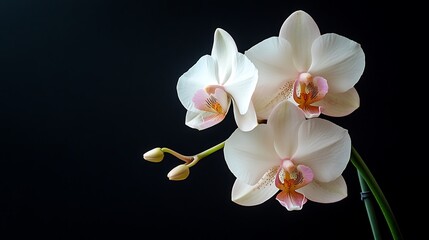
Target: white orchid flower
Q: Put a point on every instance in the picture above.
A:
(316, 72)
(207, 89)
(302, 158)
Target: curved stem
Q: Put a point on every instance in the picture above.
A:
(180, 156)
(378, 194)
(366, 198)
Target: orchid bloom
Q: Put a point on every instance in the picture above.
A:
(316, 72)
(207, 89)
(299, 158)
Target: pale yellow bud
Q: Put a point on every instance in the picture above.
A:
(180, 172)
(154, 155)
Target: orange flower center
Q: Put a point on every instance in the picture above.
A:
(307, 91)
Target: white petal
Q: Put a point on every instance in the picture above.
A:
(201, 120)
(194, 119)
(300, 30)
(200, 75)
(248, 195)
(249, 155)
(324, 147)
(285, 121)
(329, 192)
(339, 60)
(276, 73)
(340, 104)
(225, 52)
(247, 121)
(272, 55)
(242, 83)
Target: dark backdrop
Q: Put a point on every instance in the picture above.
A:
(88, 86)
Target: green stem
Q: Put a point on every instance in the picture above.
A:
(365, 196)
(206, 153)
(378, 194)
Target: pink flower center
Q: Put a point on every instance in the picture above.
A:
(211, 99)
(309, 90)
(212, 103)
(289, 178)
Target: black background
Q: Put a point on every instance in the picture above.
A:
(88, 86)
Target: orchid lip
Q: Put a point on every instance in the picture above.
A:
(309, 90)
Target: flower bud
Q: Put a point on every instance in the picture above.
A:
(180, 172)
(154, 155)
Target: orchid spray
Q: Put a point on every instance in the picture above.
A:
(278, 89)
